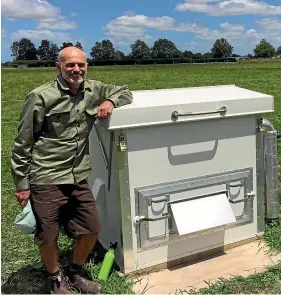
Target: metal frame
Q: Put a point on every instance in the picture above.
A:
(107, 158)
(260, 175)
(126, 242)
(161, 192)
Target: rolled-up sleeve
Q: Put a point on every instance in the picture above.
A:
(119, 95)
(29, 128)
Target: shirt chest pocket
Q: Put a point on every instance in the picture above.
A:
(58, 121)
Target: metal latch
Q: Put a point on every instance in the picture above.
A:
(249, 196)
(139, 219)
(121, 143)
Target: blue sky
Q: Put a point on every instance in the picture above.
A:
(191, 24)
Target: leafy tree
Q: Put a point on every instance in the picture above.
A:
(103, 50)
(44, 50)
(187, 54)
(79, 45)
(164, 48)
(140, 50)
(119, 55)
(47, 50)
(24, 49)
(207, 55)
(221, 49)
(97, 51)
(66, 44)
(108, 49)
(15, 49)
(197, 56)
(278, 50)
(264, 49)
(54, 51)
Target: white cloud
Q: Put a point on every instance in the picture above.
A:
(142, 21)
(229, 7)
(125, 29)
(60, 25)
(136, 26)
(239, 37)
(48, 15)
(232, 28)
(40, 35)
(32, 9)
(270, 24)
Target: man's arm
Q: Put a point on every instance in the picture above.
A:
(30, 123)
(113, 97)
(119, 95)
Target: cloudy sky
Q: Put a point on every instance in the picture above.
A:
(191, 24)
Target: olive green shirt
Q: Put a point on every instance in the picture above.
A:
(52, 145)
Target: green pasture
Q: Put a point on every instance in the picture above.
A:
(21, 272)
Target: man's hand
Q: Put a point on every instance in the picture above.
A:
(23, 197)
(105, 109)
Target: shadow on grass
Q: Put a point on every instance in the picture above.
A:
(27, 280)
(33, 279)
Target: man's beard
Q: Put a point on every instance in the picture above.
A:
(72, 80)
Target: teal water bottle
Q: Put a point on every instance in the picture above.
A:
(107, 262)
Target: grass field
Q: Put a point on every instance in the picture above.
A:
(20, 274)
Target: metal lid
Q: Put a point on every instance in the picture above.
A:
(170, 106)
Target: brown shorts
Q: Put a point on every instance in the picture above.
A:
(72, 206)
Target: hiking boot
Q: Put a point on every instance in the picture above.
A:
(59, 286)
(83, 285)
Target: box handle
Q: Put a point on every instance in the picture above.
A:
(160, 200)
(176, 114)
(139, 219)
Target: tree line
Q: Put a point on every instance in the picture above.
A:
(103, 52)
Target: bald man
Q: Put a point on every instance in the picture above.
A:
(50, 163)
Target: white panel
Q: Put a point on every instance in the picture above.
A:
(169, 153)
(155, 107)
(202, 213)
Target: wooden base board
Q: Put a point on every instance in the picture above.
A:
(191, 258)
(243, 259)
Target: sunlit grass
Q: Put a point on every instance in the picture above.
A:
(19, 251)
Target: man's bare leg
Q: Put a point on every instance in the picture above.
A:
(81, 251)
(50, 257)
(83, 247)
